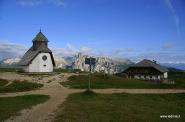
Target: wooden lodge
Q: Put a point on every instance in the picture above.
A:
(147, 69)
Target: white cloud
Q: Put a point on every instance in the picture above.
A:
(123, 50)
(58, 2)
(175, 16)
(38, 2)
(29, 2)
(9, 49)
(70, 50)
(161, 57)
(85, 50)
(12, 50)
(168, 46)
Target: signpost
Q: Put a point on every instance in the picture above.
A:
(105, 68)
(90, 61)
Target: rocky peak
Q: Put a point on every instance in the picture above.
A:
(103, 64)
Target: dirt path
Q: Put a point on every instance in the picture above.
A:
(139, 91)
(42, 112)
(45, 112)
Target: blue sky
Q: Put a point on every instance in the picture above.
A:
(134, 29)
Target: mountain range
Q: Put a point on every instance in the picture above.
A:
(103, 64)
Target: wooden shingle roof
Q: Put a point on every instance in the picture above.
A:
(31, 54)
(148, 63)
(40, 37)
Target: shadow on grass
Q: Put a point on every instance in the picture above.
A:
(89, 93)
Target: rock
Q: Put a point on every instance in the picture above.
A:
(60, 62)
(103, 64)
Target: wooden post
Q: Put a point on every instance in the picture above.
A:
(89, 86)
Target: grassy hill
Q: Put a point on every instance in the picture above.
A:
(85, 107)
(11, 106)
(18, 86)
(112, 81)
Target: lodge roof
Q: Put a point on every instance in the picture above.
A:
(148, 63)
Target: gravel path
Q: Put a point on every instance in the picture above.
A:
(139, 91)
(46, 112)
(41, 112)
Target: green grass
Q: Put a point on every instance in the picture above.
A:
(112, 81)
(178, 77)
(3, 82)
(19, 86)
(60, 70)
(10, 106)
(7, 69)
(85, 107)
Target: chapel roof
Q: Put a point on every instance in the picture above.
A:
(32, 53)
(40, 37)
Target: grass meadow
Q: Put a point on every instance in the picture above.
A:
(92, 107)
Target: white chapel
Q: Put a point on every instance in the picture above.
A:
(39, 57)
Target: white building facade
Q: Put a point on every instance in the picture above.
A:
(39, 57)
